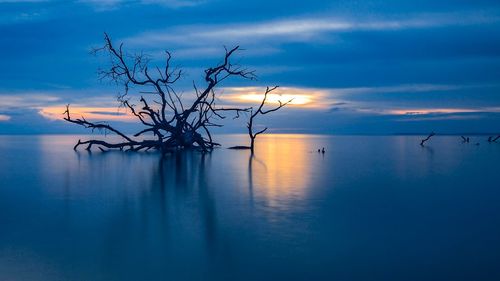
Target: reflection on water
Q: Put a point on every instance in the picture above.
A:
(371, 208)
(281, 168)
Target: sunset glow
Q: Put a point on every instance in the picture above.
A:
(300, 97)
(276, 98)
(90, 113)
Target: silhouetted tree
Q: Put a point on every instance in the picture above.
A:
(254, 113)
(172, 124)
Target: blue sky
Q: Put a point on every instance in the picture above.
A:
(367, 67)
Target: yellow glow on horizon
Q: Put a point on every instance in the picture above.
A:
(276, 98)
(300, 97)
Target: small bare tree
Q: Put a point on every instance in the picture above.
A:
(164, 115)
(254, 113)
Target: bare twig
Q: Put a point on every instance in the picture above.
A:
(423, 141)
(493, 139)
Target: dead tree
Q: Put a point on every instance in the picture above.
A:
(423, 141)
(260, 111)
(169, 124)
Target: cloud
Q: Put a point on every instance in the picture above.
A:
(26, 100)
(175, 3)
(103, 5)
(343, 101)
(4, 117)
(22, 17)
(100, 106)
(198, 52)
(299, 30)
(438, 111)
(405, 88)
(23, 1)
(90, 113)
(419, 108)
(347, 101)
(424, 113)
(442, 117)
(106, 5)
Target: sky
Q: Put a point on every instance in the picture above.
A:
(353, 67)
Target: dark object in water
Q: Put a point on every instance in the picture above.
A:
(465, 139)
(491, 139)
(422, 142)
(239, 147)
(323, 150)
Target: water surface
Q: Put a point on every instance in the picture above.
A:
(370, 208)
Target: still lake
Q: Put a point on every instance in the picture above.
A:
(370, 208)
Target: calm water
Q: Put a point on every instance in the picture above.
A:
(370, 208)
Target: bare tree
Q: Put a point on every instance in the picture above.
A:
(250, 125)
(172, 124)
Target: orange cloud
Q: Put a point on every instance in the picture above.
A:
(90, 113)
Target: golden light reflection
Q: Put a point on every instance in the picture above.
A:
(281, 168)
(90, 113)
